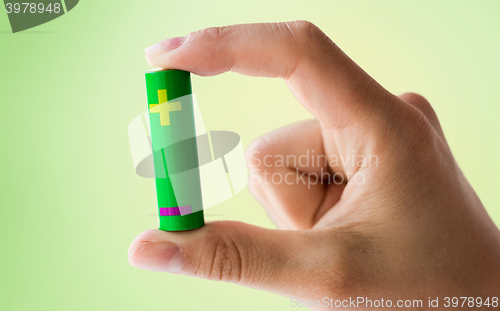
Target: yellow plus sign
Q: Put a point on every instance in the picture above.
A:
(164, 108)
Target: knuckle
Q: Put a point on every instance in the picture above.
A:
(307, 32)
(417, 100)
(213, 33)
(223, 261)
(257, 151)
(303, 27)
(419, 123)
(418, 128)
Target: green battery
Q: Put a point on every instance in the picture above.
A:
(175, 157)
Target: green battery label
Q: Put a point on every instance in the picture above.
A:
(173, 140)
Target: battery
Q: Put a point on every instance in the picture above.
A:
(173, 142)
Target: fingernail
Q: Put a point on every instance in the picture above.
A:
(157, 256)
(164, 46)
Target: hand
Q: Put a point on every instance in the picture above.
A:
(400, 222)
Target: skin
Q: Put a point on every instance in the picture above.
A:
(413, 229)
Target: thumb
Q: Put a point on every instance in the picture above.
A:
(228, 251)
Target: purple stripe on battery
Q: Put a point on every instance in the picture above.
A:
(175, 211)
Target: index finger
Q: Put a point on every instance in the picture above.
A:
(323, 78)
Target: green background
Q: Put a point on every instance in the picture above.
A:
(70, 200)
